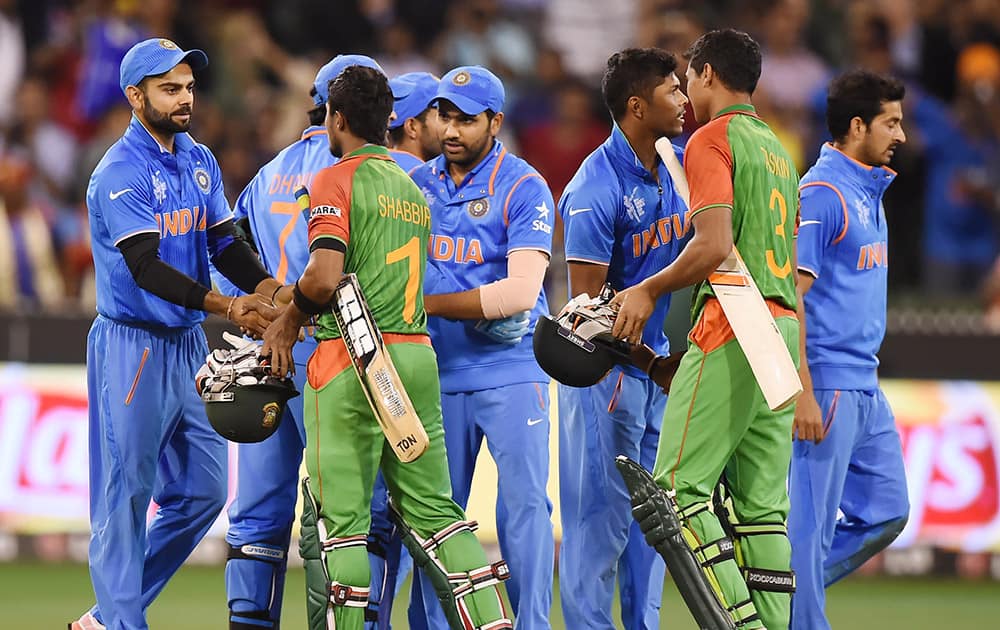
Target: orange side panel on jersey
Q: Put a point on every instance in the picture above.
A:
(708, 164)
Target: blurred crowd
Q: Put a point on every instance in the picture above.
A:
(61, 107)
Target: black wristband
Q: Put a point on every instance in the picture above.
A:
(304, 304)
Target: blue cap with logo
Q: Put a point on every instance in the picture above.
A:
(412, 93)
(155, 56)
(332, 70)
(473, 89)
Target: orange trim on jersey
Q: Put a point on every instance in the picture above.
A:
(541, 398)
(330, 357)
(687, 422)
(843, 204)
(616, 394)
(496, 169)
(712, 330)
(708, 164)
(313, 133)
(506, 204)
(828, 422)
(138, 373)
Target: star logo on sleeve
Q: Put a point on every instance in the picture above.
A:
(543, 211)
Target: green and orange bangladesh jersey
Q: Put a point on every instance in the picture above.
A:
(366, 206)
(735, 161)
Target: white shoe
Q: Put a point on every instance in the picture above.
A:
(86, 622)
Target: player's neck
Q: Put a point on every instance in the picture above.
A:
(458, 171)
(851, 150)
(642, 142)
(350, 143)
(724, 99)
(164, 138)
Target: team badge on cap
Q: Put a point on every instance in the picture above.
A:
(169, 45)
(270, 410)
(462, 78)
(478, 207)
(202, 179)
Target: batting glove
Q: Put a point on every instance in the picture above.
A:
(508, 330)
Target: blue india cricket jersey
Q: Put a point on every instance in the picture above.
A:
(139, 187)
(843, 244)
(501, 206)
(616, 214)
(406, 160)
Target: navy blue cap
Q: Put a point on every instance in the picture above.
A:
(332, 70)
(473, 89)
(412, 93)
(155, 56)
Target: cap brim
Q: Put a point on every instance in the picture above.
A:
(463, 103)
(195, 58)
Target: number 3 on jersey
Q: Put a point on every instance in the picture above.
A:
(781, 271)
(410, 252)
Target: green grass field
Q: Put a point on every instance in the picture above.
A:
(46, 596)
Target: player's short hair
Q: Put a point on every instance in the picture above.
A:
(734, 57)
(861, 94)
(634, 72)
(363, 96)
(396, 134)
(317, 115)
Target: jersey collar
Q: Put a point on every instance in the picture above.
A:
(873, 178)
(739, 108)
(313, 130)
(372, 150)
(138, 134)
(621, 150)
(482, 175)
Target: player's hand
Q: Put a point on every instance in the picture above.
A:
(664, 368)
(252, 313)
(279, 338)
(634, 306)
(808, 422)
(508, 330)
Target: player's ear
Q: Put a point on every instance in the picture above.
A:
(707, 75)
(135, 97)
(496, 123)
(635, 106)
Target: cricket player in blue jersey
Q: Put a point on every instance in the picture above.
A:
(413, 131)
(623, 222)
(491, 235)
(261, 515)
(157, 213)
(847, 454)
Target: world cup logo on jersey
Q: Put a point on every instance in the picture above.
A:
(202, 179)
(478, 208)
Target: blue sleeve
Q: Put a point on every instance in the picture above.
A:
(240, 211)
(588, 215)
(218, 205)
(822, 224)
(530, 213)
(125, 197)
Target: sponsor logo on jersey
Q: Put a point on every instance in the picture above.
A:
(477, 208)
(203, 180)
(541, 224)
(328, 210)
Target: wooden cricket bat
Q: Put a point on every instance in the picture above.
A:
(379, 380)
(744, 307)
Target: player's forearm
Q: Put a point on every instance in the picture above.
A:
(696, 262)
(462, 305)
(318, 280)
(240, 265)
(802, 286)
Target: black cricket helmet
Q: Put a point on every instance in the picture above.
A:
(576, 348)
(243, 402)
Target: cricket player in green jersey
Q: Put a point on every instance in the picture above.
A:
(717, 425)
(368, 218)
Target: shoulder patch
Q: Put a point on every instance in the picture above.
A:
(203, 180)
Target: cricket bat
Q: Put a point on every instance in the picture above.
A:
(744, 307)
(379, 380)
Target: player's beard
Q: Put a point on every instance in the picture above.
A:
(161, 121)
(472, 154)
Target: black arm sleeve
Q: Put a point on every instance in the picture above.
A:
(142, 256)
(236, 260)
